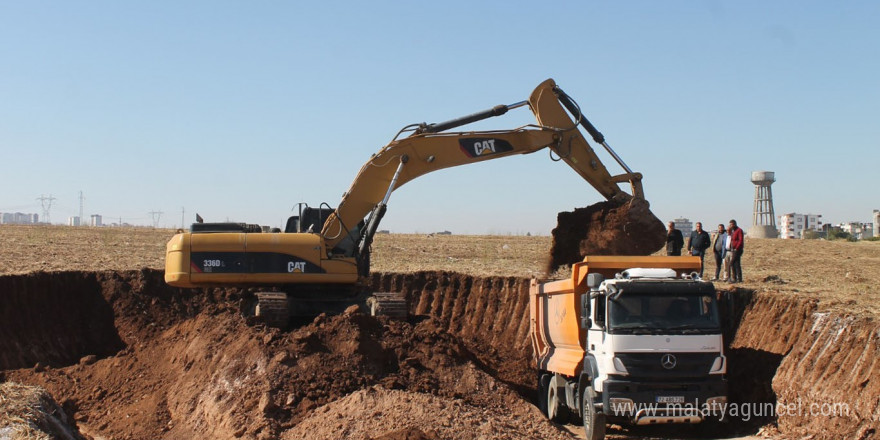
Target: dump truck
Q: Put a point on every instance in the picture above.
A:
(629, 340)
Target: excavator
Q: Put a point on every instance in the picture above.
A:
(320, 261)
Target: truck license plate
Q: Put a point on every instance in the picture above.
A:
(670, 399)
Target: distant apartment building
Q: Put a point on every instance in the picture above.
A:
(793, 225)
(18, 218)
(684, 225)
(96, 220)
(858, 230)
(73, 221)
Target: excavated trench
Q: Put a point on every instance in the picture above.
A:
(129, 357)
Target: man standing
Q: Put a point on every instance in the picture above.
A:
(728, 257)
(698, 244)
(737, 244)
(674, 240)
(718, 247)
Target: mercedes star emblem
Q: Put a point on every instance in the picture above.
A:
(668, 361)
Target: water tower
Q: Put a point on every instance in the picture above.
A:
(763, 219)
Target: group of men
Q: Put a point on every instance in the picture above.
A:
(727, 245)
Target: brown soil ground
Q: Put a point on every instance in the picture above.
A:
(149, 361)
(157, 362)
(128, 357)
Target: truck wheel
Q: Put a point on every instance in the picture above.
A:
(557, 412)
(594, 423)
(543, 385)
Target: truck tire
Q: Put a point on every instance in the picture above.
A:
(543, 384)
(594, 422)
(557, 411)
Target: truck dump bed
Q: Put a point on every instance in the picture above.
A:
(558, 332)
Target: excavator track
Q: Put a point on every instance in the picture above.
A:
(392, 305)
(272, 309)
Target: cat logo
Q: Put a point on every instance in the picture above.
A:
(478, 147)
(484, 147)
(296, 266)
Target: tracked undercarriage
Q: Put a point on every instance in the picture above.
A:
(275, 308)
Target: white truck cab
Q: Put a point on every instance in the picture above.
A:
(655, 347)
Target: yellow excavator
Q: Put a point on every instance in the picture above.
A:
(320, 261)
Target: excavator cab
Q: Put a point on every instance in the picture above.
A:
(309, 219)
(312, 219)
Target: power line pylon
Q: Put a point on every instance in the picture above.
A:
(156, 216)
(46, 203)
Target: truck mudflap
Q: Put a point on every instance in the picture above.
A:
(650, 402)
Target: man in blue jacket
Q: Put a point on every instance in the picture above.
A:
(698, 244)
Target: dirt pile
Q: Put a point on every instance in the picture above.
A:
(605, 228)
(187, 365)
(415, 416)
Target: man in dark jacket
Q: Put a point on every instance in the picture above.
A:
(698, 244)
(737, 244)
(674, 240)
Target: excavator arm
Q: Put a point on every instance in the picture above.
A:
(430, 148)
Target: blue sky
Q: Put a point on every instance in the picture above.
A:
(240, 110)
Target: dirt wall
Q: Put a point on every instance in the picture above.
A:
(832, 377)
(818, 370)
(54, 320)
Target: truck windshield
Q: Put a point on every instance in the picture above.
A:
(663, 313)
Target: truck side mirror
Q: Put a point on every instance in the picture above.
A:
(585, 312)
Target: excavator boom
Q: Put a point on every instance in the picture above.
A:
(430, 148)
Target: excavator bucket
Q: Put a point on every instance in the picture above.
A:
(605, 228)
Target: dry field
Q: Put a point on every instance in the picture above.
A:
(55, 248)
(844, 276)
